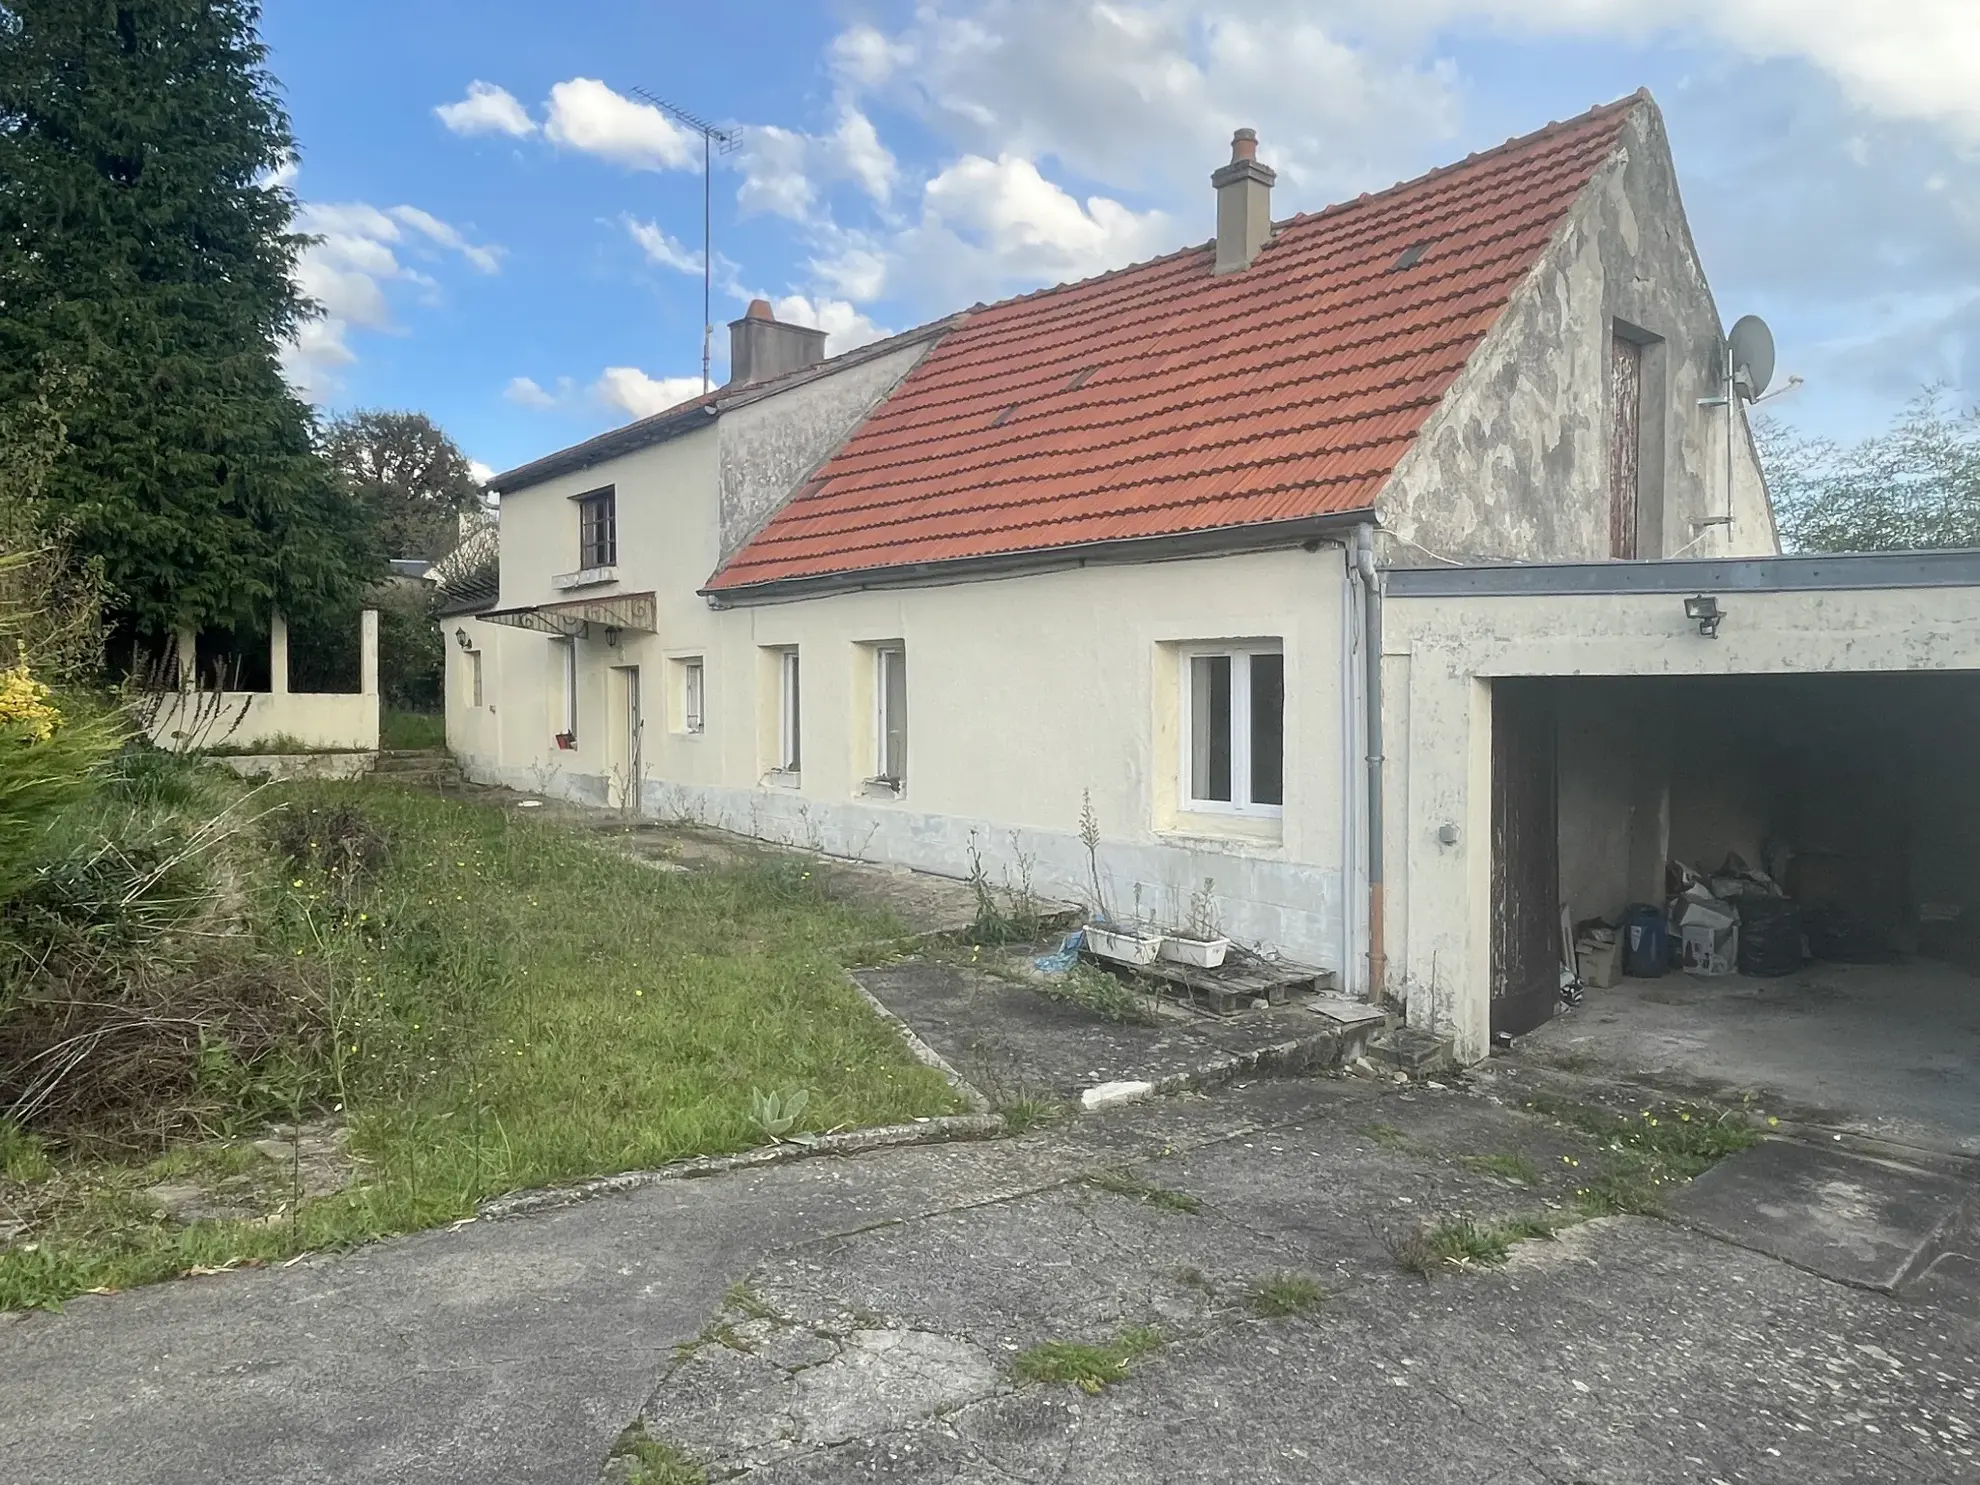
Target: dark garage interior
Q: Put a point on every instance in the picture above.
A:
(1833, 821)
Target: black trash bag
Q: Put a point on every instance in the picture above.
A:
(1770, 935)
(1844, 936)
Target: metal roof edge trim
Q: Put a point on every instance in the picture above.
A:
(673, 421)
(1215, 541)
(1791, 573)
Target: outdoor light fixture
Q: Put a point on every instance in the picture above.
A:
(1704, 611)
(461, 638)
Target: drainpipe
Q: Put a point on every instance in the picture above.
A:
(1371, 642)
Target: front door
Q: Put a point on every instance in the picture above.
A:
(1526, 932)
(627, 768)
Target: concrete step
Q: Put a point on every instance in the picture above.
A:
(1409, 1049)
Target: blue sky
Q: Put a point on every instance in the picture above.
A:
(511, 239)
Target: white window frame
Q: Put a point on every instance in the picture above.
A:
(570, 679)
(790, 712)
(1240, 802)
(475, 700)
(694, 695)
(885, 656)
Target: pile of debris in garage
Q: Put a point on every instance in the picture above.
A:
(1736, 920)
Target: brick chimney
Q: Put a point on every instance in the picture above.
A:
(1244, 204)
(761, 346)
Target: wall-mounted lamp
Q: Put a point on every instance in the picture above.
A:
(1704, 611)
(461, 638)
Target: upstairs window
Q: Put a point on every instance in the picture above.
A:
(598, 529)
(890, 713)
(1234, 709)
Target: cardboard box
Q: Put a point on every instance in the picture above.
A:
(1600, 964)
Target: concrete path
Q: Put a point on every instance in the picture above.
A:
(1629, 1351)
(515, 1351)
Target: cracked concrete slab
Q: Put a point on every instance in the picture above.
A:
(1629, 1350)
(1839, 1214)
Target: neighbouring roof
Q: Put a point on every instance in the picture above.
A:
(470, 575)
(1163, 401)
(1791, 572)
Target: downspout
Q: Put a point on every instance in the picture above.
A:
(1371, 702)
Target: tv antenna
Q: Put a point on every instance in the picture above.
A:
(714, 141)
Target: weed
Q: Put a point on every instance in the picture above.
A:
(1022, 1115)
(1505, 1164)
(1087, 1367)
(411, 730)
(1101, 993)
(1689, 1138)
(23, 1157)
(1387, 1136)
(748, 1303)
(1126, 1183)
(1279, 1295)
(649, 1461)
(1430, 1248)
(777, 1114)
(1011, 917)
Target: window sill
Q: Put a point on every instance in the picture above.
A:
(784, 778)
(584, 577)
(882, 789)
(1265, 831)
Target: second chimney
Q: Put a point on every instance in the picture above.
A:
(1244, 204)
(762, 346)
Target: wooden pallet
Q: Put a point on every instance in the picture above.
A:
(1233, 985)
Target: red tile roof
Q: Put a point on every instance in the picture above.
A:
(1163, 400)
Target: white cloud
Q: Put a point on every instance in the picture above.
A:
(660, 249)
(487, 109)
(856, 150)
(845, 327)
(479, 472)
(524, 392)
(1916, 60)
(346, 271)
(487, 259)
(632, 391)
(774, 178)
(586, 115)
(863, 58)
(854, 266)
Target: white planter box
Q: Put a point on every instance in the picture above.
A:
(1123, 945)
(1204, 953)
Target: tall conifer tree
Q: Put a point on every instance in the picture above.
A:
(145, 267)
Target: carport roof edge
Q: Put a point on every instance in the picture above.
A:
(1798, 573)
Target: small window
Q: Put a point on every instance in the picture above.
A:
(598, 529)
(474, 678)
(1234, 704)
(890, 713)
(789, 722)
(691, 695)
(568, 737)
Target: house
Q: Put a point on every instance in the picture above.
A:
(1124, 546)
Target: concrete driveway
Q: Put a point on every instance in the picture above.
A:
(516, 1350)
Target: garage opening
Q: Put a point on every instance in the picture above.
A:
(1809, 846)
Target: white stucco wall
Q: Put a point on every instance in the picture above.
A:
(1440, 656)
(1023, 692)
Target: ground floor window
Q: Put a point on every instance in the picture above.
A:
(474, 678)
(1234, 705)
(890, 713)
(567, 659)
(693, 690)
(789, 729)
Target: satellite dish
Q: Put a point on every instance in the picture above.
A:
(1750, 354)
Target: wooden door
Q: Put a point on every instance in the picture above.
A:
(1626, 449)
(1526, 930)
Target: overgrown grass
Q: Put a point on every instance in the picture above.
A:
(1085, 1366)
(1136, 1188)
(1507, 1165)
(409, 730)
(1278, 1296)
(642, 1459)
(1433, 1247)
(504, 1004)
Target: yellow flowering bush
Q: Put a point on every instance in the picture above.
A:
(25, 705)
